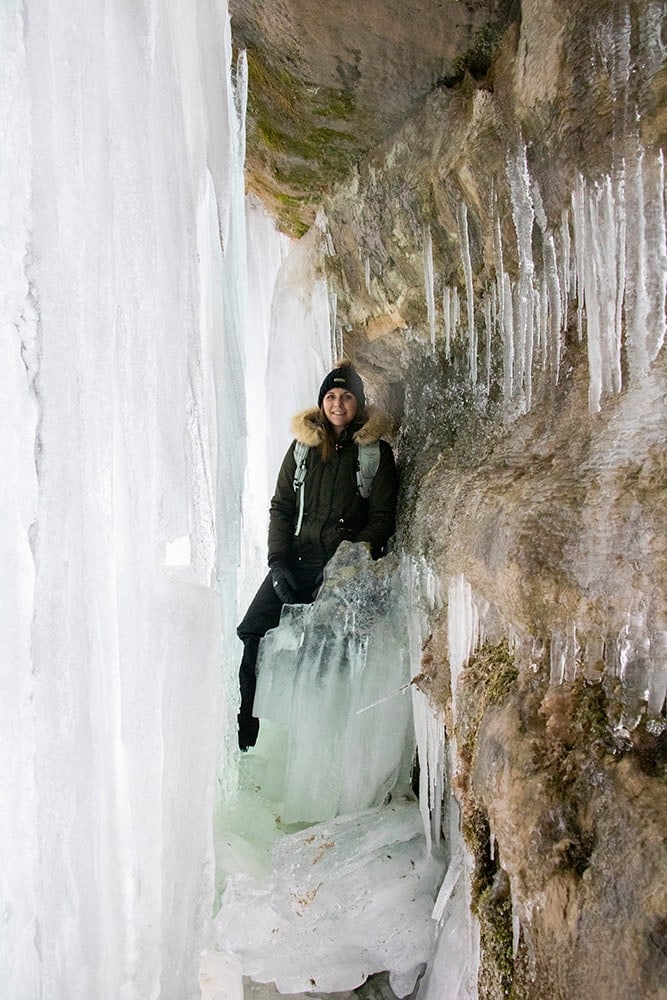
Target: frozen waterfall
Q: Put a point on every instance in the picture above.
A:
(130, 532)
(124, 245)
(110, 712)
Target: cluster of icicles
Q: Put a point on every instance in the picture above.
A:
(608, 255)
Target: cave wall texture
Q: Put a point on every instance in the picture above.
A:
(492, 179)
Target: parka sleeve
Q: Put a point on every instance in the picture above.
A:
(381, 504)
(282, 512)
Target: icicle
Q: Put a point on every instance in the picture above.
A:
(428, 283)
(566, 274)
(564, 653)
(542, 321)
(599, 239)
(551, 311)
(634, 667)
(367, 274)
(489, 318)
(578, 223)
(463, 627)
(470, 299)
(523, 214)
(507, 328)
(430, 734)
(456, 311)
(447, 312)
(646, 262)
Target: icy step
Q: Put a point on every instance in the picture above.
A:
(344, 899)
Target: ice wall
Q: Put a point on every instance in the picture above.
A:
(120, 204)
(301, 340)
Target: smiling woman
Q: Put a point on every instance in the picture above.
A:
(340, 408)
(320, 500)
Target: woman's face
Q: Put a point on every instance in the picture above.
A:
(340, 408)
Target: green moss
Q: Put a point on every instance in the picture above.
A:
(331, 103)
(478, 58)
(487, 680)
(288, 115)
(500, 974)
(495, 927)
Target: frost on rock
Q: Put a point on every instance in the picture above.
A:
(344, 899)
(334, 675)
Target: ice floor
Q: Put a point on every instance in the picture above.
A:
(324, 907)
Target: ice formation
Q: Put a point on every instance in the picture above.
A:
(353, 895)
(335, 675)
(608, 253)
(344, 899)
(120, 353)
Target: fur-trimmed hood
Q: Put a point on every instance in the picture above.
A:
(307, 429)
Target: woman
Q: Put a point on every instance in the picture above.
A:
(306, 529)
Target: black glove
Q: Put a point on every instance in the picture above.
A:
(284, 583)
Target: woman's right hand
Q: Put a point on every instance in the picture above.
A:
(283, 582)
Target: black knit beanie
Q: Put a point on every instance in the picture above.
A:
(344, 377)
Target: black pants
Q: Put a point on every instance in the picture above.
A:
(263, 614)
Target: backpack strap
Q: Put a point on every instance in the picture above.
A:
(301, 458)
(368, 460)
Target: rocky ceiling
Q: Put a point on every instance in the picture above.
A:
(329, 81)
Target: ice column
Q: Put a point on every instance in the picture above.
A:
(110, 712)
(300, 340)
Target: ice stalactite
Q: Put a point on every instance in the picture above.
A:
(429, 283)
(464, 242)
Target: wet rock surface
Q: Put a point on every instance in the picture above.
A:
(493, 266)
(328, 82)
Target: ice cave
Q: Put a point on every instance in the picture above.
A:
(458, 792)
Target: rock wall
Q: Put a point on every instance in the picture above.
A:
(327, 82)
(499, 271)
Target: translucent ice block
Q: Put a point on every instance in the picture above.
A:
(334, 674)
